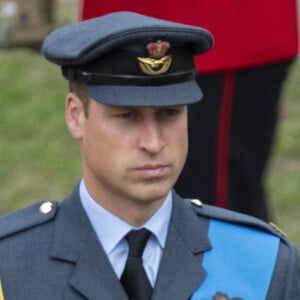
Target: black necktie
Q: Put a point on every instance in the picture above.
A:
(134, 277)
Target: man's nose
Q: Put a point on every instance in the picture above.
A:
(151, 139)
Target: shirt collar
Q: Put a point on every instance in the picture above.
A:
(110, 229)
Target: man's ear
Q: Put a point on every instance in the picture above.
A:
(74, 114)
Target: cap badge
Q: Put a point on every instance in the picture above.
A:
(158, 63)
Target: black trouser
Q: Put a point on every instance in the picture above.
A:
(231, 133)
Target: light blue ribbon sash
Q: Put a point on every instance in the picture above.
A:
(240, 264)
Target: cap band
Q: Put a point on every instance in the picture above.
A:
(105, 79)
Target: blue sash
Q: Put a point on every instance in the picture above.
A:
(240, 264)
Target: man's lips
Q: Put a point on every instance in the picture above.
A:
(152, 170)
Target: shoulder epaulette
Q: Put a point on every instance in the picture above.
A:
(27, 218)
(227, 215)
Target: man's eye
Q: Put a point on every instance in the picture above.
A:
(170, 112)
(125, 115)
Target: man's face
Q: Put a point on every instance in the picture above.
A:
(132, 154)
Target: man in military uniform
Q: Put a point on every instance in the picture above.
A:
(124, 233)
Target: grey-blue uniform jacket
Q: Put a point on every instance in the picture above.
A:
(49, 251)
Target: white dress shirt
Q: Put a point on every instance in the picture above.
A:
(111, 230)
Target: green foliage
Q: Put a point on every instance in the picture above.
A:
(38, 158)
(283, 177)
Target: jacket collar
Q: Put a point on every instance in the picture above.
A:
(74, 241)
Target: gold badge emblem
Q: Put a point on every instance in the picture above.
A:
(158, 63)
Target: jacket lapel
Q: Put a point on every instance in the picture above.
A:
(180, 272)
(92, 277)
(76, 243)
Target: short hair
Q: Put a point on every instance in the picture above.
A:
(77, 87)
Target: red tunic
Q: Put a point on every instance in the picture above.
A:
(247, 33)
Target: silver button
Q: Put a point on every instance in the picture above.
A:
(46, 208)
(197, 202)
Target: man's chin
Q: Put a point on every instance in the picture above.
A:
(153, 192)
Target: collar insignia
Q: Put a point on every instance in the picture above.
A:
(221, 296)
(157, 63)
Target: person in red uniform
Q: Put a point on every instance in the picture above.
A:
(231, 135)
